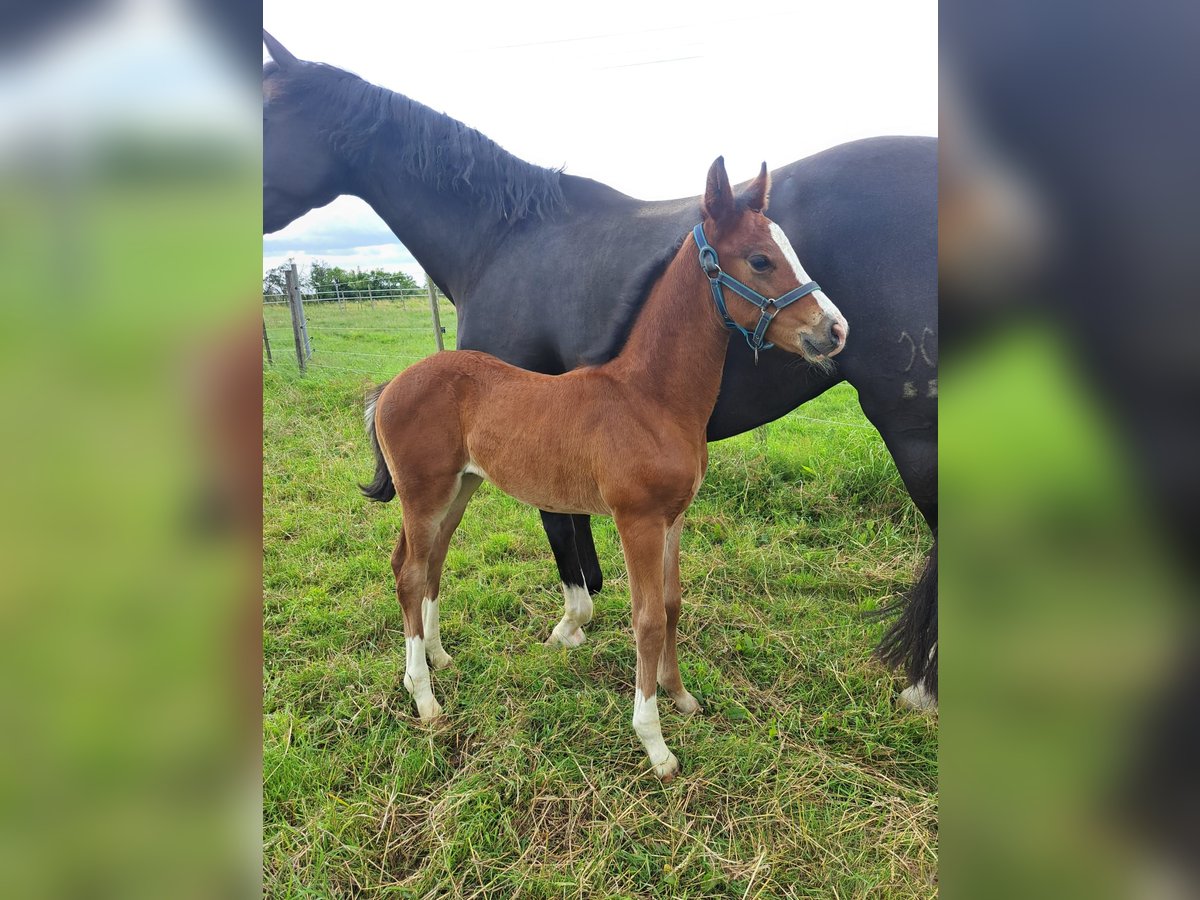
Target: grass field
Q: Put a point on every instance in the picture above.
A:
(800, 778)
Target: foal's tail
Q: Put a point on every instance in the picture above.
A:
(911, 643)
(381, 488)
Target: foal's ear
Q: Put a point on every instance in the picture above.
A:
(283, 58)
(718, 195)
(757, 192)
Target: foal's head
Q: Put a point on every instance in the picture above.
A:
(755, 251)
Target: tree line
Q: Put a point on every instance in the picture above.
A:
(328, 281)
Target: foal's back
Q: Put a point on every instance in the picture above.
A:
(547, 440)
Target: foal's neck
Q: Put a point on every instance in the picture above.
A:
(676, 350)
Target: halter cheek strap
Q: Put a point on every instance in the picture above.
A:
(718, 280)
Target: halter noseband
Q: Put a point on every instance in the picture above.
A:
(767, 306)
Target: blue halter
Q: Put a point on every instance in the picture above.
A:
(767, 306)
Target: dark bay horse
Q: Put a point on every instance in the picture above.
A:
(493, 232)
(625, 438)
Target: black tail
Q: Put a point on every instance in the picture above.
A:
(381, 488)
(911, 643)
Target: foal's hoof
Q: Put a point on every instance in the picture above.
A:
(439, 660)
(667, 769)
(916, 697)
(686, 704)
(566, 638)
(429, 711)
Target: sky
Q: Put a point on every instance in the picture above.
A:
(639, 95)
(143, 64)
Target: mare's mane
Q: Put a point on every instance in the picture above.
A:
(370, 124)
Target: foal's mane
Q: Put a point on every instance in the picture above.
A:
(629, 305)
(371, 124)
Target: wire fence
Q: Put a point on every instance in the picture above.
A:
(355, 330)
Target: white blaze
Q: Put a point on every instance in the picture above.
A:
(789, 253)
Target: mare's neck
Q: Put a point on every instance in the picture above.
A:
(451, 231)
(676, 350)
(447, 234)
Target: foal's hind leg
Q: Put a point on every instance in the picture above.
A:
(424, 513)
(644, 542)
(409, 564)
(438, 657)
(668, 663)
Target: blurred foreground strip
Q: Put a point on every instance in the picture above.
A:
(129, 624)
(1070, 221)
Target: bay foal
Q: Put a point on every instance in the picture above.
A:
(625, 439)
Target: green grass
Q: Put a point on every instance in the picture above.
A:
(800, 778)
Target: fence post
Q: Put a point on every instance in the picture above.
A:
(299, 325)
(337, 290)
(267, 343)
(370, 295)
(437, 320)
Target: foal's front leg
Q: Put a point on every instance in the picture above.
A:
(668, 664)
(644, 543)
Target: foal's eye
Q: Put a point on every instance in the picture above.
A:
(759, 263)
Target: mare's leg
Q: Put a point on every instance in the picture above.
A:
(644, 542)
(911, 642)
(668, 663)
(577, 600)
(430, 618)
(914, 638)
(909, 429)
(585, 546)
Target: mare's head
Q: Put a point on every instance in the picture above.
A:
(300, 169)
(754, 250)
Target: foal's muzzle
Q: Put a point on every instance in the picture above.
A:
(827, 338)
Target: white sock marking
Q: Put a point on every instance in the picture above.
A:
(915, 696)
(645, 723)
(431, 619)
(577, 612)
(416, 677)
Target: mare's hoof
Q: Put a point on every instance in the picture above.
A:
(916, 697)
(667, 769)
(439, 660)
(687, 704)
(566, 638)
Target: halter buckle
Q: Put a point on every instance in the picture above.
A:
(708, 262)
